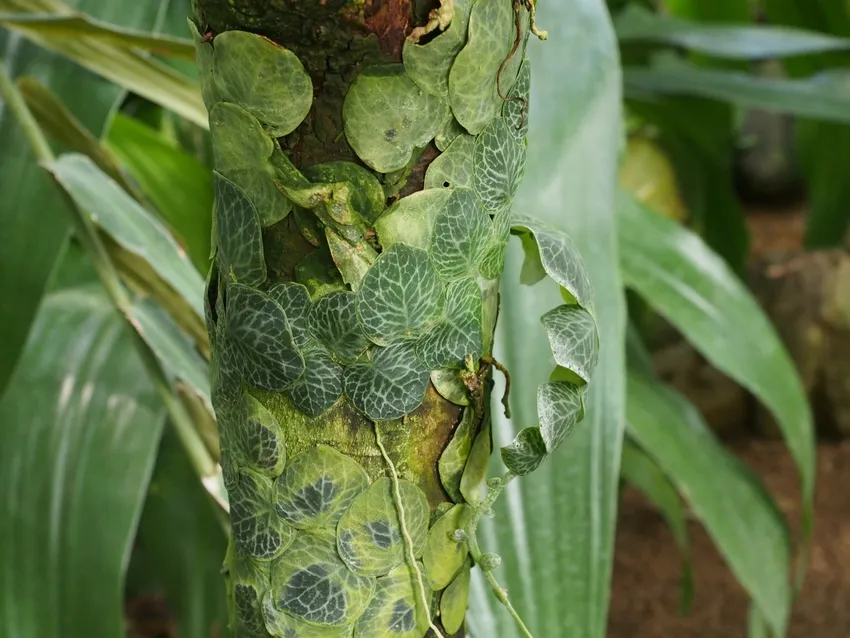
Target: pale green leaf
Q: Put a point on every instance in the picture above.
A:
(410, 220)
(454, 601)
(460, 236)
(453, 459)
(369, 534)
(574, 340)
(387, 116)
(444, 557)
(428, 64)
(128, 223)
(390, 612)
(453, 167)
(243, 64)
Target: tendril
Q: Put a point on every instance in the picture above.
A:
(511, 54)
(406, 534)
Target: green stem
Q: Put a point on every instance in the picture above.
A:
(495, 487)
(405, 532)
(87, 234)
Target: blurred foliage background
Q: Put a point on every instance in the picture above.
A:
(698, 152)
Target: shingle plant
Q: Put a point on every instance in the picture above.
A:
(365, 169)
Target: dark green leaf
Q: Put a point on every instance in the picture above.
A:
(679, 276)
(132, 226)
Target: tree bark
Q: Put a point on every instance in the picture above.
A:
(290, 234)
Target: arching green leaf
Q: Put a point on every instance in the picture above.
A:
(396, 609)
(560, 258)
(401, 296)
(295, 301)
(410, 220)
(526, 452)
(311, 582)
(257, 531)
(428, 64)
(333, 321)
(389, 386)
(443, 556)
(260, 348)
(473, 79)
(368, 199)
(132, 226)
(498, 163)
(454, 601)
(320, 385)
(560, 405)
(453, 459)
(243, 64)
(369, 536)
(460, 236)
(317, 487)
(387, 116)
(459, 333)
(239, 236)
(574, 339)
(242, 151)
(454, 166)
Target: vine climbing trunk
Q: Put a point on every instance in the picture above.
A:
(366, 155)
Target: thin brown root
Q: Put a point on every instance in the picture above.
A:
(506, 396)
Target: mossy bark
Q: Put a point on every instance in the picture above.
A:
(335, 40)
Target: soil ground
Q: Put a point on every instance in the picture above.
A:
(647, 569)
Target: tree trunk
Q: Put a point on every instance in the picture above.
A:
(353, 299)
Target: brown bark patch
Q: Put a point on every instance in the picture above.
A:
(390, 20)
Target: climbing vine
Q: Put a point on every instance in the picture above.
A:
(393, 298)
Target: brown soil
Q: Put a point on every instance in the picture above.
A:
(647, 568)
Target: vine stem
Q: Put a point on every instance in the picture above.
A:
(495, 487)
(407, 539)
(109, 278)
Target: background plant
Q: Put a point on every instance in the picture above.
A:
(98, 363)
